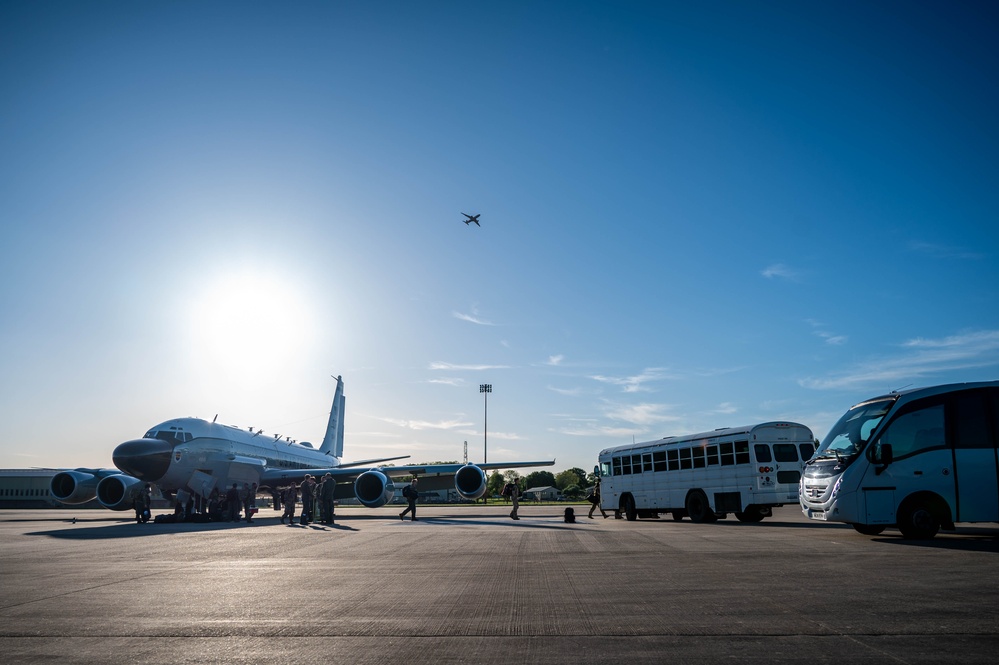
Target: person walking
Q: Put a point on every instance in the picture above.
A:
(594, 499)
(512, 490)
(411, 494)
(326, 496)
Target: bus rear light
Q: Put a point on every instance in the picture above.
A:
(766, 469)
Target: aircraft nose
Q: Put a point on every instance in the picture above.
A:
(145, 459)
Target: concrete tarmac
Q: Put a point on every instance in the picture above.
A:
(469, 585)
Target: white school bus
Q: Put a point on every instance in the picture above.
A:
(742, 470)
(920, 460)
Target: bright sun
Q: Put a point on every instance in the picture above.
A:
(250, 323)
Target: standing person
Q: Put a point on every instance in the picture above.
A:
(594, 499)
(232, 503)
(250, 503)
(308, 500)
(141, 503)
(411, 494)
(289, 499)
(326, 495)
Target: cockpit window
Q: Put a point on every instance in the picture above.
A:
(170, 436)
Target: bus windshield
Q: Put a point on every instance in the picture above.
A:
(850, 434)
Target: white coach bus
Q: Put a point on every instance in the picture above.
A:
(742, 470)
(920, 460)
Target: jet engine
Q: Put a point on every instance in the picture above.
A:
(117, 492)
(374, 489)
(470, 481)
(74, 487)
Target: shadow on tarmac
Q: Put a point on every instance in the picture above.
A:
(128, 528)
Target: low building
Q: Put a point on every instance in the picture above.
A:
(543, 493)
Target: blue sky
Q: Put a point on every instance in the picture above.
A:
(694, 215)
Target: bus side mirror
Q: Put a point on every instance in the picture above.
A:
(596, 471)
(885, 457)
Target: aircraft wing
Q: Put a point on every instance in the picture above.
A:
(350, 472)
(375, 486)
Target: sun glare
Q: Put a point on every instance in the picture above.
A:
(250, 324)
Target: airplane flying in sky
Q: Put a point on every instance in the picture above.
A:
(472, 218)
(197, 456)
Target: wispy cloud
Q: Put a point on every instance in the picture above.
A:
(943, 251)
(423, 424)
(447, 381)
(470, 368)
(471, 319)
(821, 331)
(593, 429)
(568, 392)
(634, 384)
(554, 361)
(921, 358)
(725, 408)
(641, 414)
(779, 270)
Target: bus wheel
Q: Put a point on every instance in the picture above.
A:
(698, 508)
(917, 521)
(751, 514)
(628, 507)
(869, 529)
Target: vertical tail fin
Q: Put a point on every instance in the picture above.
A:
(333, 441)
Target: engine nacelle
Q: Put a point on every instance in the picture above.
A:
(470, 481)
(374, 489)
(117, 492)
(74, 487)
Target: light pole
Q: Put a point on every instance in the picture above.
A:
(485, 389)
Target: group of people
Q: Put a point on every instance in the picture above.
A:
(318, 499)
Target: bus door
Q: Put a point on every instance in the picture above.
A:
(975, 462)
(922, 462)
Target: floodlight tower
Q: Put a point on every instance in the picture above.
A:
(485, 389)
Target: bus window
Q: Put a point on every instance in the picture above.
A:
(617, 466)
(698, 454)
(727, 454)
(806, 450)
(785, 452)
(659, 460)
(673, 460)
(971, 421)
(915, 432)
(647, 462)
(742, 452)
(685, 458)
(605, 469)
(712, 455)
(762, 452)
(636, 463)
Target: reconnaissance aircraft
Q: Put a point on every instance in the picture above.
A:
(197, 456)
(472, 218)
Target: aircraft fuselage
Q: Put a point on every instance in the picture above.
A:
(172, 453)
